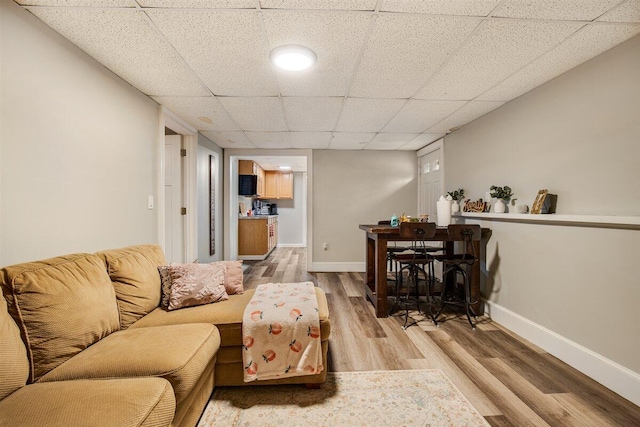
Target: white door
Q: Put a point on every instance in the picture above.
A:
(173, 199)
(430, 182)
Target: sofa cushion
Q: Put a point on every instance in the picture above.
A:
(14, 365)
(134, 273)
(61, 305)
(226, 315)
(195, 284)
(116, 402)
(233, 276)
(178, 353)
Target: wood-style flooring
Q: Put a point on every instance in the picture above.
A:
(510, 381)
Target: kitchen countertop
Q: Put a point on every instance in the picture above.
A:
(258, 217)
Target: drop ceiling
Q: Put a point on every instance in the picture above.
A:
(390, 75)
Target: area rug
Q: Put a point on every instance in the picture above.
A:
(372, 398)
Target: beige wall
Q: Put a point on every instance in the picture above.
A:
(358, 187)
(577, 136)
(78, 148)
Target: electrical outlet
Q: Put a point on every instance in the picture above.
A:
(325, 246)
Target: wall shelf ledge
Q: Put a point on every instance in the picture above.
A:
(598, 221)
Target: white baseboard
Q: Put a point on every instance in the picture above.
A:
(291, 245)
(612, 375)
(337, 267)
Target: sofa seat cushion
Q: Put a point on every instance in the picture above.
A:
(61, 305)
(118, 402)
(14, 365)
(134, 273)
(178, 353)
(226, 316)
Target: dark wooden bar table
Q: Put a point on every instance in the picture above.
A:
(377, 238)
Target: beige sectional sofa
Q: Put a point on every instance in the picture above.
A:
(82, 337)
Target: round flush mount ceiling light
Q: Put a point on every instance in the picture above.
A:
(292, 57)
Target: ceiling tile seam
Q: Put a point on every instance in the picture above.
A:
(35, 6)
(611, 9)
(445, 118)
(155, 28)
(537, 58)
(363, 48)
(265, 36)
(448, 59)
(496, 8)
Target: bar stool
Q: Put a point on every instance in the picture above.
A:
(414, 261)
(455, 264)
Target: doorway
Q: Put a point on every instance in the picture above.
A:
(430, 178)
(174, 198)
(302, 195)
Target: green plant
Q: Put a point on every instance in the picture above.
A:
(503, 193)
(457, 194)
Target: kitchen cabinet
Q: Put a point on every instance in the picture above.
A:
(257, 236)
(278, 185)
(249, 167)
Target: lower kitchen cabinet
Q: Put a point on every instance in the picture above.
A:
(257, 236)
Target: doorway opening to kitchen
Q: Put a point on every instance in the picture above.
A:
(269, 207)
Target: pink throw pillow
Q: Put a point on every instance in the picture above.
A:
(195, 284)
(233, 277)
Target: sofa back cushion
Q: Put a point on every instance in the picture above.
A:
(61, 305)
(134, 273)
(14, 365)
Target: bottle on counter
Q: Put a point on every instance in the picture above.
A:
(394, 220)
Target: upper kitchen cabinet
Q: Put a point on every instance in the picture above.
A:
(278, 185)
(249, 167)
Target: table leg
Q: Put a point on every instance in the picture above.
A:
(370, 284)
(381, 277)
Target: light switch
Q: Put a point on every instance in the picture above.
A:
(150, 202)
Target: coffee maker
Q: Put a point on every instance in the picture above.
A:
(273, 209)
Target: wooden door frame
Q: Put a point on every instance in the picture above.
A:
(167, 119)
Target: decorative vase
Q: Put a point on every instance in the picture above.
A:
(455, 206)
(499, 207)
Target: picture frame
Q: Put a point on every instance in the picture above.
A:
(538, 203)
(212, 205)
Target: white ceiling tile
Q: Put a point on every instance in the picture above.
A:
(337, 40)
(403, 51)
(203, 113)
(418, 115)
(350, 140)
(585, 10)
(123, 41)
(421, 141)
(312, 114)
(204, 4)
(78, 3)
(227, 49)
(231, 139)
(494, 52)
(319, 4)
(270, 139)
(273, 163)
(311, 140)
(466, 114)
(389, 141)
(628, 11)
(580, 47)
(367, 115)
(256, 114)
(440, 7)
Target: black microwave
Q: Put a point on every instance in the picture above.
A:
(248, 185)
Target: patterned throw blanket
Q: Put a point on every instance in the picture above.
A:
(281, 332)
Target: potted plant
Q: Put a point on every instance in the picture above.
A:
(456, 196)
(503, 194)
